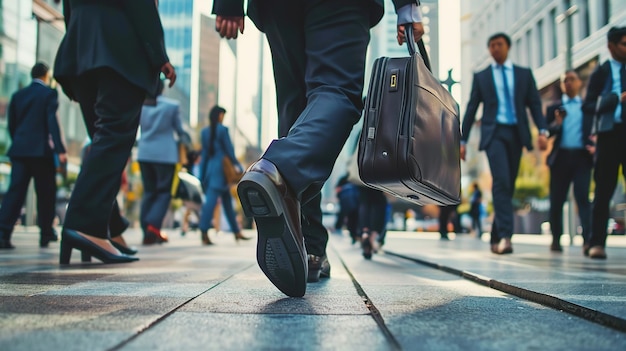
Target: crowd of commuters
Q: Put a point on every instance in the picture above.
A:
(114, 75)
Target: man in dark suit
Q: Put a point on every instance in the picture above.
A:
(318, 52)
(108, 61)
(609, 78)
(505, 90)
(571, 159)
(36, 141)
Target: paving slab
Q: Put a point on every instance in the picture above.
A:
(185, 296)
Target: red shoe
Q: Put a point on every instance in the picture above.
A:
(160, 236)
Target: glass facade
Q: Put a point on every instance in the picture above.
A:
(177, 19)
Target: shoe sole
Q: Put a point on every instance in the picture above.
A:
(278, 254)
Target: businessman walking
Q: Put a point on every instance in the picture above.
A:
(505, 90)
(36, 140)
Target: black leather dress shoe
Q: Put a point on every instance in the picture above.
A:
(281, 254)
(5, 244)
(70, 239)
(319, 267)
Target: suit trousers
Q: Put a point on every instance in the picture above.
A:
(504, 153)
(23, 169)
(318, 53)
(570, 166)
(111, 106)
(157, 192)
(610, 154)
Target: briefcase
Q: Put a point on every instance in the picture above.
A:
(410, 142)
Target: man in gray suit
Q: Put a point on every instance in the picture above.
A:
(505, 90)
(157, 155)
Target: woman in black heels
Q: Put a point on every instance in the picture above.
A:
(109, 60)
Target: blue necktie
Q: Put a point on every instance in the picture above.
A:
(622, 73)
(507, 95)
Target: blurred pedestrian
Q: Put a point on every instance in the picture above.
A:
(109, 60)
(505, 90)
(319, 85)
(372, 219)
(216, 145)
(571, 159)
(608, 78)
(348, 196)
(157, 154)
(445, 212)
(36, 141)
(476, 204)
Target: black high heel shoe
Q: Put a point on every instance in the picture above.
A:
(124, 249)
(70, 239)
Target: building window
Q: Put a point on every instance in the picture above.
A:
(583, 11)
(553, 34)
(605, 12)
(529, 49)
(540, 43)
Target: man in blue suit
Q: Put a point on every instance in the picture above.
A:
(36, 140)
(505, 90)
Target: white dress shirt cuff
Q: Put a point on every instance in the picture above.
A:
(410, 13)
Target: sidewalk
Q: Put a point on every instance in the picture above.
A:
(183, 296)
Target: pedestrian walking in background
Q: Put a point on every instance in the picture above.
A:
(319, 86)
(109, 60)
(608, 79)
(444, 218)
(505, 90)
(571, 158)
(348, 215)
(157, 154)
(476, 204)
(216, 145)
(372, 219)
(36, 141)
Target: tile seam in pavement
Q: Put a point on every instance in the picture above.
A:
(586, 313)
(375, 313)
(120, 345)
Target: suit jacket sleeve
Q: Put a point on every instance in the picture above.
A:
(399, 3)
(553, 128)
(228, 147)
(228, 8)
(594, 89)
(178, 123)
(12, 123)
(204, 154)
(144, 16)
(67, 11)
(472, 106)
(53, 123)
(533, 101)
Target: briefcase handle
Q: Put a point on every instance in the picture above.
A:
(410, 41)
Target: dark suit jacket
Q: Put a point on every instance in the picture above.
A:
(556, 132)
(600, 80)
(123, 35)
(256, 7)
(32, 121)
(484, 91)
